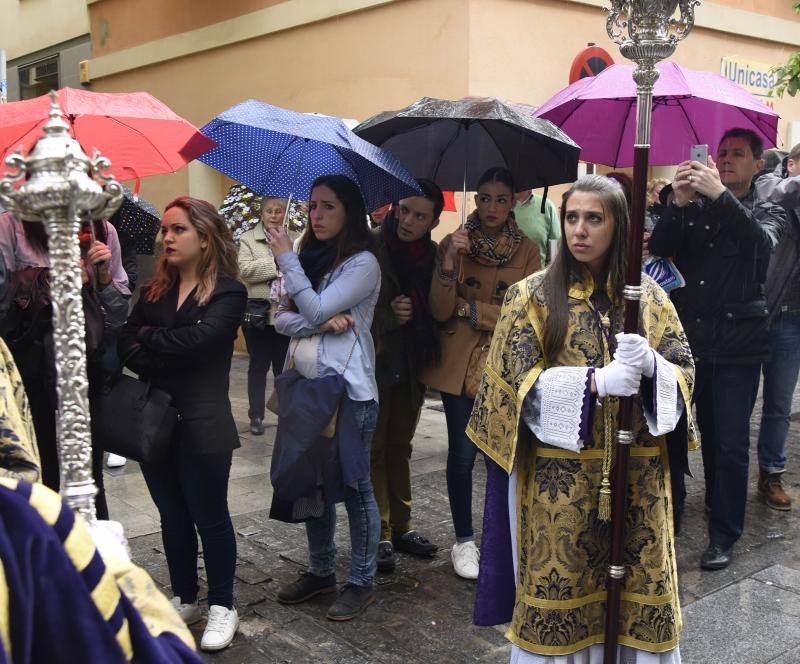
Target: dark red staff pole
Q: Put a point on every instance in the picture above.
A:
(652, 35)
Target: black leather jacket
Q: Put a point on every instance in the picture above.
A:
(722, 248)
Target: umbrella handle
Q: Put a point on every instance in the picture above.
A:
(461, 266)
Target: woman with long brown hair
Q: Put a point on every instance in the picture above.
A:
(180, 337)
(465, 299)
(546, 415)
(332, 285)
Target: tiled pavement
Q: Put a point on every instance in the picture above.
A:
(747, 614)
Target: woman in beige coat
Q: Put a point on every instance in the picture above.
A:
(266, 347)
(495, 255)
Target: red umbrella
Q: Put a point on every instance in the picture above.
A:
(139, 134)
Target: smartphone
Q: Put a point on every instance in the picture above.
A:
(699, 153)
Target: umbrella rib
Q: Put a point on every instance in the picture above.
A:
(8, 146)
(444, 150)
(143, 135)
(686, 115)
(622, 132)
(275, 164)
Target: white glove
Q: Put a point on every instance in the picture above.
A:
(110, 540)
(617, 380)
(634, 350)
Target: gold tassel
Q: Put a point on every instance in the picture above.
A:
(604, 507)
(604, 503)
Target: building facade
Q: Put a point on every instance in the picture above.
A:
(353, 58)
(45, 41)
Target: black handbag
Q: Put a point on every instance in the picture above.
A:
(256, 313)
(132, 418)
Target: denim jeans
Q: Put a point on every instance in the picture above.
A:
(780, 380)
(724, 396)
(461, 452)
(191, 491)
(362, 513)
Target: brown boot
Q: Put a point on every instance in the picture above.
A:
(771, 490)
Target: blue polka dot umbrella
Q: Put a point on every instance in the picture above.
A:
(278, 152)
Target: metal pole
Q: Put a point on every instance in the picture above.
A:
(3, 77)
(653, 34)
(58, 185)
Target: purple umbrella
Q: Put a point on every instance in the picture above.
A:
(689, 107)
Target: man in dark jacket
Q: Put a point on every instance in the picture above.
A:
(721, 237)
(405, 340)
(782, 186)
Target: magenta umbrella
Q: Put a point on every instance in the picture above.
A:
(689, 107)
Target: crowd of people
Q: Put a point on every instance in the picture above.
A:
(356, 324)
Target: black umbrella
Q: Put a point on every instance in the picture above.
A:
(138, 221)
(454, 142)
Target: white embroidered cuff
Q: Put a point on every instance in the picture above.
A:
(555, 412)
(667, 400)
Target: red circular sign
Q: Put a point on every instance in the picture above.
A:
(589, 62)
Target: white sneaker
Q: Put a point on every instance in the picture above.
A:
(466, 560)
(189, 613)
(115, 460)
(221, 628)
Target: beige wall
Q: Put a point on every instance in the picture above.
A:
(351, 66)
(111, 19)
(31, 25)
(512, 56)
(384, 57)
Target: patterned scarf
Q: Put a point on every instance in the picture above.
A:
(413, 263)
(496, 250)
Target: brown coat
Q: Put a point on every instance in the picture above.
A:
(487, 286)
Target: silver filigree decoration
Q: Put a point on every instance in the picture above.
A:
(61, 187)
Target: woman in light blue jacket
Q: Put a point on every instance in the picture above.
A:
(332, 287)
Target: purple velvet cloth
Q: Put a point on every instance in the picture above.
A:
(494, 597)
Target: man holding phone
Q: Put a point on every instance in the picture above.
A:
(721, 235)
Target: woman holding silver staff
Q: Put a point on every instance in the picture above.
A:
(559, 364)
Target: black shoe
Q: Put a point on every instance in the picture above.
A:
(716, 557)
(352, 600)
(306, 587)
(256, 426)
(387, 561)
(414, 543)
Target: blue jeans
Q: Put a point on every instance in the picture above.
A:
(191, 491)
(362, 513)
(780, 380)
(461, 452)
(724, 396)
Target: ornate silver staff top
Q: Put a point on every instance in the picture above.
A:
(653, 32)
(59, 185)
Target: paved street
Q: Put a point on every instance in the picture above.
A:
(747, 614)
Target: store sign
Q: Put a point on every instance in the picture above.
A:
(754, 77)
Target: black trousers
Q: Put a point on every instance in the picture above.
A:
(267, 348)
(724, 397)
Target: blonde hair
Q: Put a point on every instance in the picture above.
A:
(652, 197)
(218, 260)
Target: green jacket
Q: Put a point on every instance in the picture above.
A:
(393, 342)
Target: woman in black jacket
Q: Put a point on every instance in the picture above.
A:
(180, 336)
